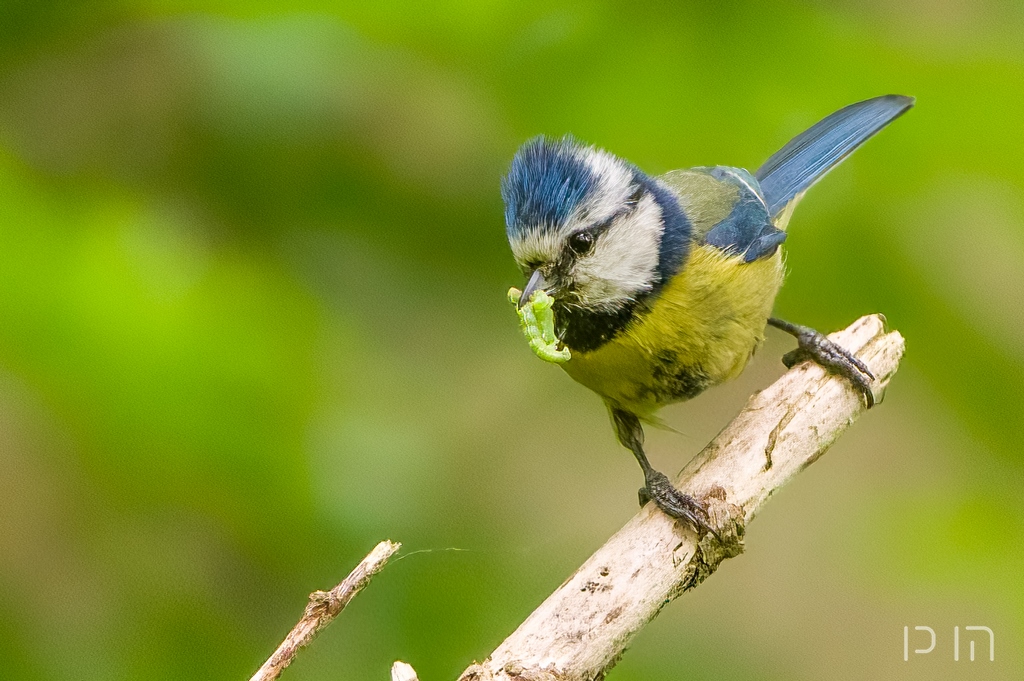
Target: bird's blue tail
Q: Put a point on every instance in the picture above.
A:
(793, 169)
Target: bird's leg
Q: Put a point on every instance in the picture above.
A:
(657, 486)
(815, 346)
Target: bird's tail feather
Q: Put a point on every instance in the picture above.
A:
(810, 155)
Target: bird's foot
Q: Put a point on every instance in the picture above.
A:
(816, 346)
(675, 503)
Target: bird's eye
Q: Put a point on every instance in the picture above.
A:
(635, 197)
(581, 243)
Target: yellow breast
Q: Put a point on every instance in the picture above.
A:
(700, 331)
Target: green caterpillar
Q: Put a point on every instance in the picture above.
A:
(538, 324)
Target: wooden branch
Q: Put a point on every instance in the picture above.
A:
(582, 629)
(322, 608)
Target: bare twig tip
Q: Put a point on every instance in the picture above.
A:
(400, 671)
(323, 607)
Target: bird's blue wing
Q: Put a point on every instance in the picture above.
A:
(747, 230)
(812, 153)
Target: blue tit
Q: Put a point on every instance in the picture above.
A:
(663, 286)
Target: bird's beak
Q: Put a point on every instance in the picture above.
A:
(536, 282)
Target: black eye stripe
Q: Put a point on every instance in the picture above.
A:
(635, 197)
(582, 242)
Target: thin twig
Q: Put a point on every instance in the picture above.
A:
(582, 629)
(322, 608)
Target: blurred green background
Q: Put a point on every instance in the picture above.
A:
(231, 235)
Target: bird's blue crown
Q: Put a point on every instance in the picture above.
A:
(547, 180)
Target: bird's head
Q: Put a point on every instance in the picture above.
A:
(591, 229)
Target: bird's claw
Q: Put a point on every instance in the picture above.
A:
(643, 496)
(816, 346)
(676, 504)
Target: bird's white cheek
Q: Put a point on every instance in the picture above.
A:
(621, 268)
